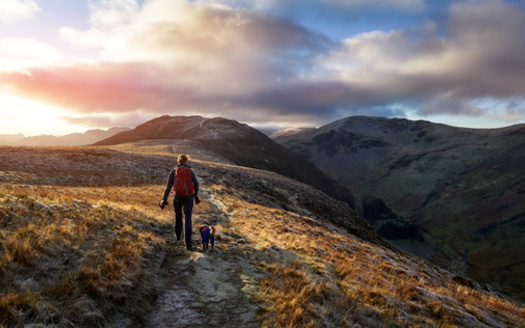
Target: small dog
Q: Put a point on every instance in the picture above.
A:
(207, 237)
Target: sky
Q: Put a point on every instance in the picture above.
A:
(70, 66)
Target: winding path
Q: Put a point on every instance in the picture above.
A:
(203, 289)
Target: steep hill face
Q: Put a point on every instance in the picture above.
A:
(84, 244)
(236, 142)
(463, 187)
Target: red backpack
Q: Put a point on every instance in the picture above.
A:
(183, 185)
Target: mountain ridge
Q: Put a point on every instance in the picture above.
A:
(72, 139)
(236, 142)
(7, 139)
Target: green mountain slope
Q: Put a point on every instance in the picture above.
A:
(463, 188)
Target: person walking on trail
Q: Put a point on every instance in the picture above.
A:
(185, 188)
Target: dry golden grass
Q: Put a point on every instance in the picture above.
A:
(57, 251)
(336, 279)
(77, 244)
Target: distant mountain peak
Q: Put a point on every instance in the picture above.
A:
(182, 127)
(236, 142)
(7, 139)
(290, 132)
(72, 139)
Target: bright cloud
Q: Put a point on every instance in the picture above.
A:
(15, 53)
(14, 10)
(176, 55)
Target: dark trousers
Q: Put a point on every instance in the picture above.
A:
(185, 204)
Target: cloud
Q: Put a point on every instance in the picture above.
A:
(214, 58)
(270, 5)
(14, 10)
(16, 52)
(107, 121)
(174, 56)
(410, 5)
(483, 55)
(98, 87)
(509, 110)
(218, 40)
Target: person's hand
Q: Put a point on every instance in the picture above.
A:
(197, 200)
(162, 204)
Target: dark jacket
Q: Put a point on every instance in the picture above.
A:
(171, 181)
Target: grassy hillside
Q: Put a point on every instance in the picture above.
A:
(463, 188)
(78, 235)
(83, 244)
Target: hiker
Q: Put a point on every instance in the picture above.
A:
(207, 237)
(185, 188)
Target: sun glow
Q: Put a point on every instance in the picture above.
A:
(32, 117)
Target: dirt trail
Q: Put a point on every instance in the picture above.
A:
(203, 289)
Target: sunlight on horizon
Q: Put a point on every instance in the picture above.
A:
(31, 118)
